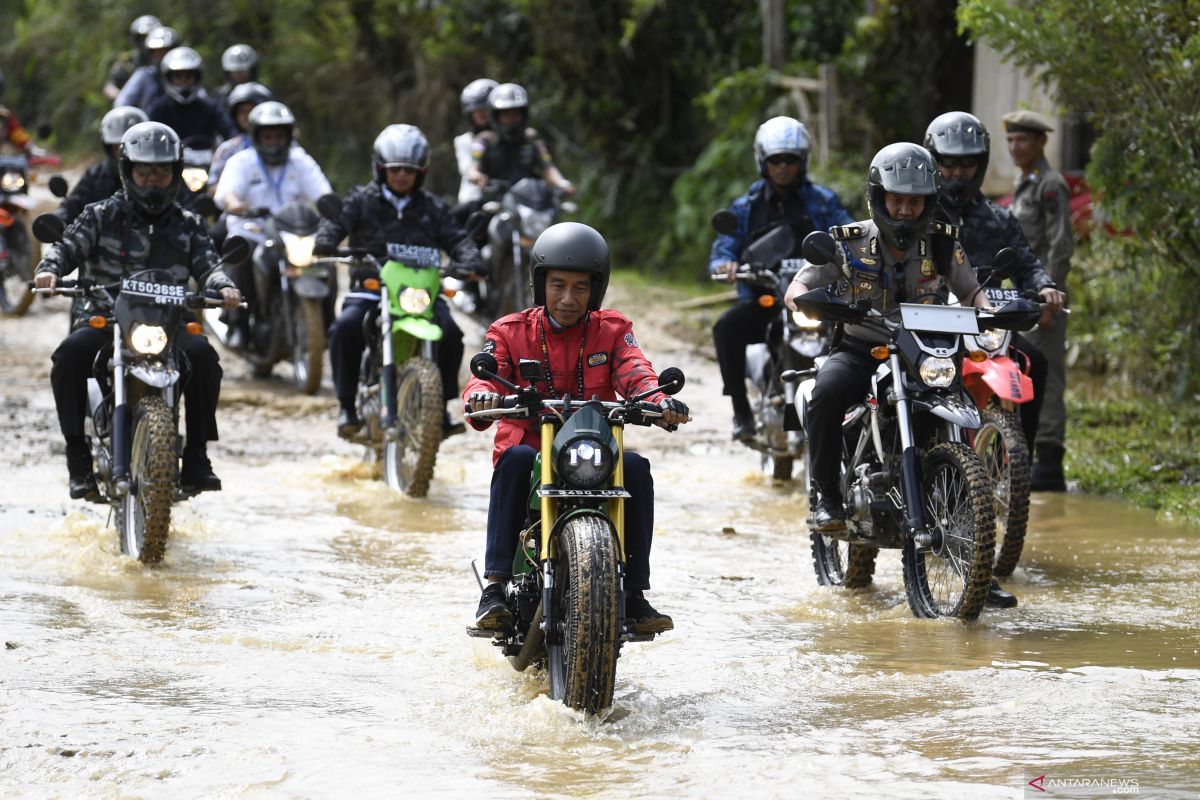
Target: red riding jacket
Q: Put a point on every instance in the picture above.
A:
(602, 347)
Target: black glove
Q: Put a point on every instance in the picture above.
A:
(671, 404)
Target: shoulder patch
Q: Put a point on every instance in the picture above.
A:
(959, 256)
(846, 231)
(946, 229)
(489, 345)
(596, 359)
(629, 340)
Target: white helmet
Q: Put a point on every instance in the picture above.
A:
(780, 135)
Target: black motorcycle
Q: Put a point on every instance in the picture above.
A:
(908, 479)
(133, 395)
(794, 341)
(292, 300)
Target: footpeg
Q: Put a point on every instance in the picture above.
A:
(485, 633)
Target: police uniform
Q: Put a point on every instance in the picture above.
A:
(933, 266)
(374, 223)
(1041, 206)
(511, 160)
(113, 239)
(985, 229)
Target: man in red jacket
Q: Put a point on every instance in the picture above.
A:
(587, 352)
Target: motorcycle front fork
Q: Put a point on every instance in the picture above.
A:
(910, 461)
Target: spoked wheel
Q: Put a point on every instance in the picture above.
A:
(409, 455)
(16, 272)
(1004, 453)
(308, 350)
(144, 514)
(583, 661)
(951, 578)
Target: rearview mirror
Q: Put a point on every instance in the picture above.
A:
(235, 251)
(671, 380)
(329, 206)
(48, 228)
(819, 248)
(44, 130)
(725, 222)
(58, 186)
(483, 365)
(1004, 263)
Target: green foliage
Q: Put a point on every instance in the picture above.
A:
(1130, 67)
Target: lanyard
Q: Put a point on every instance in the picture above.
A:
(578, 364)
(277, 185)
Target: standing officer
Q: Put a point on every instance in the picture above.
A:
(1040, 204)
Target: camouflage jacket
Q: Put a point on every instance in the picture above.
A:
(110, 239)
(987, 228)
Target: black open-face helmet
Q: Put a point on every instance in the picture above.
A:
(958, 134)
(902, 168)
(570, 246)
(151, 143)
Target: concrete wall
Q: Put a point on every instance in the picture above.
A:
(1000, 87)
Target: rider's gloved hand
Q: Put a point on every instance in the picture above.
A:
(483, 401)
(674, 412)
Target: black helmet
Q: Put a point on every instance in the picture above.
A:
(151, 143)
(959, 134)
(400, 146)
(902, 168)
(182, 59)
(240, 58)
(780, 135)
(571, 246)
(162, 38)
(272, 114)
(117, 121)
(509, 96)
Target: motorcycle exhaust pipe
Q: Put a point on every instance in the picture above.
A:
(533, 643)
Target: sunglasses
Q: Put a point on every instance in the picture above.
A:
(153, 170)
(962, 161)
(402, 170)
(783, 158)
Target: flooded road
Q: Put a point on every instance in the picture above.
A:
(304, 636)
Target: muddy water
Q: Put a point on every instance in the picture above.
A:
(304, 637)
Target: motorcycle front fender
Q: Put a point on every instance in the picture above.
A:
(158, 375)
(419, 327)
(952, 409)
(1006, 380)
(310, 287)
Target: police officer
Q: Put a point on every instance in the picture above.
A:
(391, 214)
(1041, 205)
(140, 227)
(901, 254)
(585, 351)
(102, 179)
(184, 106)
(782, 196)
(511, 151)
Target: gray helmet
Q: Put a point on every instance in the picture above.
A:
(151, 143)
(959, 134)
(400, 146)
(504, 97)
(570, 246)
(140, 27)
(902, 168)
(162, 38)
(780, 135)
(182, 59)
(240, 58)
(475, 95)
(117, 121)
(248, 92)
(272, 114)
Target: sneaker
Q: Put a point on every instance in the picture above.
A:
(197, 473)
(493, 613)
(828, 516)
(744, 428)
(643, 618)
(82, 484)
(998, 598)
(348, 422)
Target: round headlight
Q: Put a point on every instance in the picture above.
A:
(195, 178)
(12, 182)
(991, 340)
(414, 301)
(148, 340)
(585, 463)
(937, 372)
(299, 248)
(804, 321)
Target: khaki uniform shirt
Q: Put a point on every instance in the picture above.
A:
(1041, 204)
(865, 269)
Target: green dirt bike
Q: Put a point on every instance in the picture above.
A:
(567, 594)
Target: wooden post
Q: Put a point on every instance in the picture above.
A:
(774, 33)
(827, 74)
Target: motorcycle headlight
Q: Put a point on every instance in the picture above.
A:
(534, 222)
(585, 463)
(414, 301)
(991, 340)
(195, 178)
(299, 248)
(938, 372)
(804, 321)
(149, 340)
(12, 182)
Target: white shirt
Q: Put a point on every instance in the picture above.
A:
(467, 191)
(256, 184)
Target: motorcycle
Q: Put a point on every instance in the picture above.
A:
(909, 479)
(292, 303)
(132, 420)
(19, 253)
(793, 342)
(526, 209)
(567, 594)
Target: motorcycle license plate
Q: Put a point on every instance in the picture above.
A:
(158, 293)
(939, 319)
(1000, 296)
